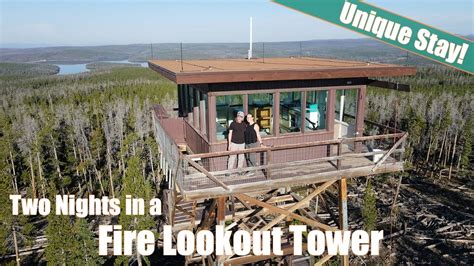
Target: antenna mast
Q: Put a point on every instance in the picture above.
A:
(181, 48)
(151, 50)
(251, 41)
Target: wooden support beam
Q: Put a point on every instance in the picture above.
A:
(220, 220)
(252, 258)
(204, 171)
(208, 216)
(299, 204)
(343, 219)
(323, 260)
(343, 222)
(257, 212)
(302, 210)
(221, 211)
(400, 141)
(185, 211)
(286, 213)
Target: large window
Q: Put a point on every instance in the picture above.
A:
(227, 108)
(290, 112)
(316, 107)
(261, 107)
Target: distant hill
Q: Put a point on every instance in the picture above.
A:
(356, 49)
(26, 69)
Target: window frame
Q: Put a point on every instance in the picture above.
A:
(212, 95)
(272, 133)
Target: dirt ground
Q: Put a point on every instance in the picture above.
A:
(433, 219)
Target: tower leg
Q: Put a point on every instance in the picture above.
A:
(343, 220)
(220, 221)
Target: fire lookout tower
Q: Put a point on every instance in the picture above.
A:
(310, 114)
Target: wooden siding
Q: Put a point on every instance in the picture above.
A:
(218, 164)
(194, 139)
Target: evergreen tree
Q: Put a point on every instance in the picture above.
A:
(467, 145)
(6, 217)
(86, 252)
(61, 242)
(415, 128)
(135, 184)
(369, 208)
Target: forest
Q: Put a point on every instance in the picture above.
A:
(91, 134)
(83, 135)
(437, 114)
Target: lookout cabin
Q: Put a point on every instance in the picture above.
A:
(310, 113)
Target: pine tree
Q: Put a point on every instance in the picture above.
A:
(14, 230)
(135, 184)
(6, 217)
(467, 145)
(369, 207)
(86, 252)
(61, 243)
(415, 128)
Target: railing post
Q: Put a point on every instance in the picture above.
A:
(339, 151)
(269, 159)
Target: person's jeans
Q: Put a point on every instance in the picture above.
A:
(252, 157)
(241, 158)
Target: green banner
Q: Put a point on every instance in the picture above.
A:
(391, 28)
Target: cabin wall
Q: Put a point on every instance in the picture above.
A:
(200, 142)
(194, 139)
(220, 163)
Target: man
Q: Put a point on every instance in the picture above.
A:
(236, 141)
(252, 140)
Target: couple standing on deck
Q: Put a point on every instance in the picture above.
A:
(243, 135)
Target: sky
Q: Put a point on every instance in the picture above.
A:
(29, 23)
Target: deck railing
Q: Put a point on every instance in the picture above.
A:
(207, 170)
(170, 156)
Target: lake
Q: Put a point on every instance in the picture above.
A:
(67, 69)
(72, 69)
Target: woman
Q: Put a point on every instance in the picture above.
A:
(252, 140)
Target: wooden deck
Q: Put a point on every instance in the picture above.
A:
(205, 175)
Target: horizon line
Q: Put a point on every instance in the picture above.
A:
(34, 46)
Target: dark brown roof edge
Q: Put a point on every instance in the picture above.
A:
(299, 74)
(281, 74)
(163, 71)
